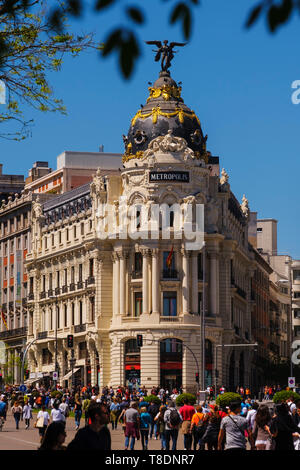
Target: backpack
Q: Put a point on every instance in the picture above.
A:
(174, 418)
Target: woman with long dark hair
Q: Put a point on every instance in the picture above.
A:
(284, 428)
(261, 429)
(54, 437)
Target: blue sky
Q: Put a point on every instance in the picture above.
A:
(238, 82)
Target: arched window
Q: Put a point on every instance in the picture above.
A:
(132, 363)
(171, 363)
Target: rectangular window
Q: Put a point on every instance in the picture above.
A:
(66, 276)
(66, 315)
(200, 269)
(50, 281)
(80, 273)
(51, 319)
(296, 274)
(58, 317)
(168, 260)
(67, 234)
(52, 237)
(75, 231)
(91, 267)
(82, 228)
(138, 304)
(73, 314)
(80, 313)
(138, 262)
(72, 274)
(200, 308)
(59, 237)
(170, 304)
(44, 282)
(92, 307)
(57, 279)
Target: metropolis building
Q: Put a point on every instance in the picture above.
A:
(106, 291)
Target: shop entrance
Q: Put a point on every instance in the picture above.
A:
(132, 363)
(171, 364)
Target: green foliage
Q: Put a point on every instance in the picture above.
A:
(282, 396)
(186, 396)
(126, 40)
(226, 398)
(29, 50)
(152, 398)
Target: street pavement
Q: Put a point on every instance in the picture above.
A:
(28, 439)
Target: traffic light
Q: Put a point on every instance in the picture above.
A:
(70, 341)
(197, 377)
(139, 339)
(27, 374)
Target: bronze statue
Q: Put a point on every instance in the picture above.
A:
(165, 52)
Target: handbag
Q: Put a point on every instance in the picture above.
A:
(40, 422)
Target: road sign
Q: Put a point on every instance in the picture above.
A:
(55, 376)
(23, 388)
(291, 382)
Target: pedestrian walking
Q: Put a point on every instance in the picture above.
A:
(77, 410)
(114, 413)
(54, 437)
(153, 410)
(42, 421)
(187, 412)
(198, 427)
(17, 413)
(132, 420)
(234, 427)
(161, 426)
(27, 414)
(145, 422)
(172, 419)
(64, 408)
(95, 436)
(56, 413)
(261, 429)
(284, 428)
(85, 408)
(213, 423)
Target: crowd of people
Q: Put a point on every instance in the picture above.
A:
(244, 424)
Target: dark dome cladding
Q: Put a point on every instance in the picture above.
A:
(164, 110)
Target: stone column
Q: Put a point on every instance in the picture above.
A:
(185, 282)
(195, 282)
(122, 278)
(145, 254)
(155, 281)
(214, 283)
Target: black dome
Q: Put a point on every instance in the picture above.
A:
(164, 111)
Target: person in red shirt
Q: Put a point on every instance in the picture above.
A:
(187, 411)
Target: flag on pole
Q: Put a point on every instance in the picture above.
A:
(169, 258)
(3, 319)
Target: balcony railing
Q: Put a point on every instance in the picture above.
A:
(240, 292)
(79, 328)
(57, 290)
(90, 280)
(42, 334)
(64, 289)
(14, 333)
(50, 293)
(31, 296)
(72, 286)
(169, 319)
(80, 285)
(43, 295)
(170, 274)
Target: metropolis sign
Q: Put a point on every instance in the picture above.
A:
(167, 176)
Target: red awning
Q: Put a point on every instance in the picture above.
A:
(171, 365)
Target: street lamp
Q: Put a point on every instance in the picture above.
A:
(241, 345)
(202, 323)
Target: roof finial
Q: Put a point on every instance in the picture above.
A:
(165, 52)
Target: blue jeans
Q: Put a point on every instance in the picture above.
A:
(78, 414)
(153, 428)
(132, 442)
(144, 437)
(163, 440)
(171, 433)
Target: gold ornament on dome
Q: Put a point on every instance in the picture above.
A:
(166, 91)
(130, 156)
(155, 112)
